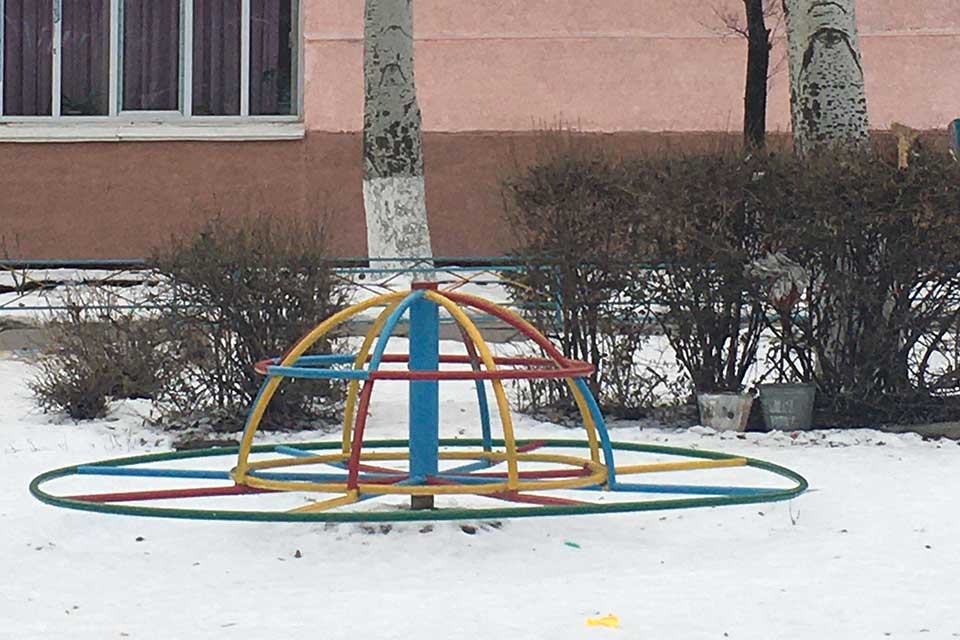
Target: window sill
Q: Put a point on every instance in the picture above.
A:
(150, 132)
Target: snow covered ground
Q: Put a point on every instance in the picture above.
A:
(872, 551)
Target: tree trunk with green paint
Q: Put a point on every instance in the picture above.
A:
(393, 185)
(827, 98)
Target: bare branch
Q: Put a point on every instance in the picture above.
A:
(729, 22)
(725, 22)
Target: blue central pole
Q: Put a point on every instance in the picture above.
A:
(424, 394)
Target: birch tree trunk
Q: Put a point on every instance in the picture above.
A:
(827, 98)
(393, 187)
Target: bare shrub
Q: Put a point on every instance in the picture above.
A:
(703, 219)
(880, 246)
(610, 242)
(240, 293)
(97, 351)
(572, 212)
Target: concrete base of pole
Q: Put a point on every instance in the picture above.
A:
(421, 503)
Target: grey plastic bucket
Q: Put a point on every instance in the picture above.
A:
(724, 411)
(787, 407)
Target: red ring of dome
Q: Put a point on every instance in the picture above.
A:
(538, 369)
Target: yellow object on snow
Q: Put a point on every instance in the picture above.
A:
(611, 621)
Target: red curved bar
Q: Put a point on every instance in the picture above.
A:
(526, 329)
(353, 467)
(370, 468)
(261, 365)
(581, 371)
(465, 359)
(513, 496)
(168, 494)
(531, 446)
(569, 369)
(554, 367)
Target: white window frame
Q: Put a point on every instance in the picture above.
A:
(177, 120)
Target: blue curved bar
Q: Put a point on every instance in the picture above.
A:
(389, 326)
(325, 358)
(484, 416)
(326, 374)
(467, 468)
(693, 489)
(601, 425)
(97, 470)
(256, 401)
(293, 452)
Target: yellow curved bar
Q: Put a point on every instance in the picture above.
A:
(281, 463)
(425, 490)
(598, 474)
(682, 466)
(256, 414)
(588, 422)
(253, 422)
(585, 413)
(378, 456)
(323, 505)
(487, 357)
(353, 389)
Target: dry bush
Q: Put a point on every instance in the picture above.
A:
(97, 351)
(240, 293)
(703, 219)
(571, 211)
(611, 242)
(881, 249)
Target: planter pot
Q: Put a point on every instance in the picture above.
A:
(787, 407)
(724, 411)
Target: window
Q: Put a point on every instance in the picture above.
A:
(85, 57)
(149, 59)
(28, 57)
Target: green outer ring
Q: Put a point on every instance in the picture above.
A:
(404, 516)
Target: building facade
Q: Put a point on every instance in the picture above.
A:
(125, 121)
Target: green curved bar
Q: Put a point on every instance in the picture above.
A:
(432, 515)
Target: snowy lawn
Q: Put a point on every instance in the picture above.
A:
(872, 551)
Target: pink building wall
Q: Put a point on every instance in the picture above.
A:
(617, 65)
(489, 72)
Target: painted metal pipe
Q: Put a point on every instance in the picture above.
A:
(689, 489)
(390, 326)
(424, 399)
(358, 428)
(97, 470)
(797, 486)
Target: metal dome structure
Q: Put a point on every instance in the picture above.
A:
(495, 475)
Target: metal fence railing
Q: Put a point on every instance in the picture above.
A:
(32, 288)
